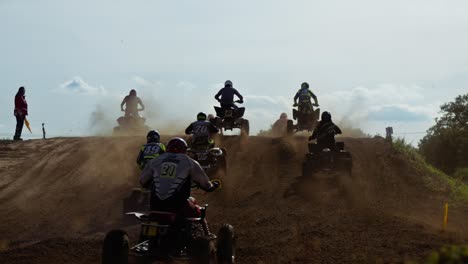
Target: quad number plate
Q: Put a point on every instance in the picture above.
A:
(150, 230)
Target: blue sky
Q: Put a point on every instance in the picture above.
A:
(374, 63)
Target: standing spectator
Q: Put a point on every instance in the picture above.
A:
(21, 111)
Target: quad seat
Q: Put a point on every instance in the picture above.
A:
(161, 217)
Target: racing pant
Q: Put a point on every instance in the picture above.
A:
(226, 106)
(305, 107)
(187, 209)
(327, 142)
(190, 209)
(131, 114)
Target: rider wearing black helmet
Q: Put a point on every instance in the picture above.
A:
(304, 95)
(170, 178)
(325, 132)
(201, 131)
(225, 96)
(152, 149)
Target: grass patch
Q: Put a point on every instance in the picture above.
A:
(449, 254)
(458, 189)
(461, 174)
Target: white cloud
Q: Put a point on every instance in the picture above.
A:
(79, 86)
(144, 83)
(360, 102)
(186, 86)
(401, 113)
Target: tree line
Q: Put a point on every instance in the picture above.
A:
(445, 145)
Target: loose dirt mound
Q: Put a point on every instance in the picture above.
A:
(59, 196)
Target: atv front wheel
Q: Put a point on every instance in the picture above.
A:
(226, 245)
(115, 248)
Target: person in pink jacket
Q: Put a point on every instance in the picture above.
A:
(20, 112)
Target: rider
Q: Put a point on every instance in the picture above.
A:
(279, 127)
(201, 131)
(227, 95)
(170, 178)
(131, 101)
(304, 95)
(325, 132)
(212, 119)
(152, 149)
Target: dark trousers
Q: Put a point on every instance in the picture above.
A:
(306, 107)
(225, 106)
(19, 126)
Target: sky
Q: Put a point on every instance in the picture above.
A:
(371, 63)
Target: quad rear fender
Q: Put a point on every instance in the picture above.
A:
(138, 215)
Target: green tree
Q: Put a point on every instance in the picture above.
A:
(446, 143)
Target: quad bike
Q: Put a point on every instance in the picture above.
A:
(326, 160)
(230, 118)
(326, 174)
(166, 236)
(305, 121)
(211, 159)
(130, 125)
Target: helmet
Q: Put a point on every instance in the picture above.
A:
(326, 116)
(132, 92)
(176, 145)
(153, 136)
(228, 83)
(201, 116)
(283, 116)
(304, 85)
(210, 116)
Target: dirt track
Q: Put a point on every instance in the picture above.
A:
(59, 196)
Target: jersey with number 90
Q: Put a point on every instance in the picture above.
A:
(172, 175)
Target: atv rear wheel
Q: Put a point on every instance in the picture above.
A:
(245, 129)
(115, 248)
(202, 251)
(226, 245)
